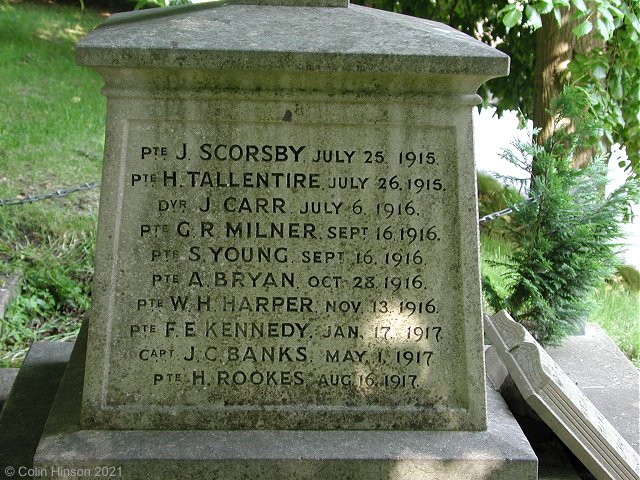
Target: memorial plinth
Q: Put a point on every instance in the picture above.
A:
(288, 230)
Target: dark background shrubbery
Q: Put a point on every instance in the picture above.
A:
(106, 5)
(493, 196)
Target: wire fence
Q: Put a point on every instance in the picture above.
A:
(21, 200)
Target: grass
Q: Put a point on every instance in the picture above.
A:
(617, 311)
(51, 137)
(52, 114)
(494, 252)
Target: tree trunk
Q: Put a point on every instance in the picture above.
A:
(553, 53)
(556, 46)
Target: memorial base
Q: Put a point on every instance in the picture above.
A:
(67, 451)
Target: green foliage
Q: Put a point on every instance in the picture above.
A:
(629, 278)
(616, 308)
(495, 252)
(141, 4)
(493, 197)
(611, 74)
(565, 237)
(55, 290)
(617, 311)
(480, 19)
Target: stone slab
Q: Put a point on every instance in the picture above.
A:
(609, 380)
(9, 289)
(560, 404)
(501, 452)
(7, 377)
(555, 461)
(25, 412)
(606, 376)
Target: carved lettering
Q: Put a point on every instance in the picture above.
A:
(281, 266)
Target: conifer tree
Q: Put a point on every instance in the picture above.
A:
(565, 235)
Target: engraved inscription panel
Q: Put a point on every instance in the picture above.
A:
(260, 266)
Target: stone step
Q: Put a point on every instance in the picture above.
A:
(25, 412)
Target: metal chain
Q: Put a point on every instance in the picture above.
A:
(494, 215)
(502, 213)
(44, 196)
(92, 185)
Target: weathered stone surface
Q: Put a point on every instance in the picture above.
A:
(9, 289)
(560, 403)
(608, 378)
(500, 452)
(261, 37)
(7, 377)
(288, 223)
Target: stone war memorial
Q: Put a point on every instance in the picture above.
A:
(286, 281)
